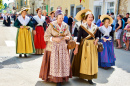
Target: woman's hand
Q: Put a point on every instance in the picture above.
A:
(28, 27)
(66, 38)
(56, 39)
(75, 51)
(104, 39)
(34, 32)
(21, 27)
(116, 30)
(96, 42)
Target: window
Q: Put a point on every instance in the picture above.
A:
(111, 4)
(78, 9)
(66, 12)
(21, 3)
(44, 7)
(72, 10)
(51, 8)
(110, 7)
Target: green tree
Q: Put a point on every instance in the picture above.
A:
(5, 5)
(1, 5)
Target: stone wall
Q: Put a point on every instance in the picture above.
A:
(123, 5)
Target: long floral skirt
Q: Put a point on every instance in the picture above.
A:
(56, 64)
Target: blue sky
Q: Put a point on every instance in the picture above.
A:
(8, 1)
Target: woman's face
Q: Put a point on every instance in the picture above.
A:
(44, 14)
(24, 13)
(90, 18)
(60, 19)
(39, 12)
(53, 14)
(107, 22)
(118, 17)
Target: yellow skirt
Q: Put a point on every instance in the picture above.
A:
(85, 63)
(24, 43)
(89, 59)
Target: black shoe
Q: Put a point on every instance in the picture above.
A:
(20, 55)
(58, 84)
(90, 82)
(25, 55)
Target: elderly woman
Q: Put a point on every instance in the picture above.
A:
(56, 62)
(38, 22)
(85, 62)
(24, 41)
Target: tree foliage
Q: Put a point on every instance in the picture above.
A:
(1, 5)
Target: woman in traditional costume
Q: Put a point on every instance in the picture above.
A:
(52, 16)
(47, 20)
(24, 40)
(107, 58)
(5, 19)
(8, 20)
(38, 31)
(56, 61)
(80, 18)
(85, 62)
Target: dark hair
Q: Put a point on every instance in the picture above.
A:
(65, 14)
(127, 13)
(38, 9)
(105, 19)
(120, 16)
(112, 13)
(87, 17)
(52, 13)
(99, 16)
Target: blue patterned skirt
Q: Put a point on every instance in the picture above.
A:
(106, 58)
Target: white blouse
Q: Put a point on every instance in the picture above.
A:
(23, 21)
(40, 21)
(105, 31)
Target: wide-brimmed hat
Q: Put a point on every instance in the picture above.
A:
(106, 16)
(51, 13)
(78, 15)
(23, 9)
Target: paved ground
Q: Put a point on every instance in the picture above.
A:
(15, 71)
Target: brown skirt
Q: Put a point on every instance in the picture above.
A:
(76, 66)
(45, 69)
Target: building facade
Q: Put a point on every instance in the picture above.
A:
(11, 7)
(71, 7)
(124, 7)
(32, 4)
(107, 6)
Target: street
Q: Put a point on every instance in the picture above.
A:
(15, 71)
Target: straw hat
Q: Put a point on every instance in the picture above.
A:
(51, 13)
(24, 9)
(106, 16)
(78, 15)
